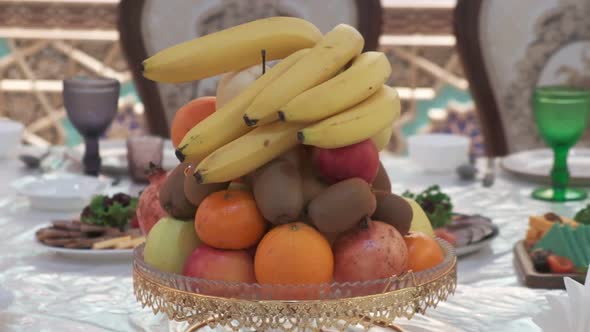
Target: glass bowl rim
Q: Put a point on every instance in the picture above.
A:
(90, 82)
(561, 92)
(438, 270)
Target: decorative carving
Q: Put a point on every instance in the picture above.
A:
(426, 21)
(575, 78)
(556, 29)
(397, 21)
(58, 15)
(234, 12)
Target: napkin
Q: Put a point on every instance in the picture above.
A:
(569, 242)
(567, 312)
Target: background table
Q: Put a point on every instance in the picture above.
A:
(40, 291)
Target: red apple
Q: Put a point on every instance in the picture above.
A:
(373, 250)
(360, 160)
(215, 264)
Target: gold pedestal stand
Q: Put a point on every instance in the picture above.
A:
(391, 326)
(317, 315)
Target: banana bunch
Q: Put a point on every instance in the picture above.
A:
(368, 72)
(324, 93)
(227, 124)
(356, 124)
(231, 49)
(325, 60)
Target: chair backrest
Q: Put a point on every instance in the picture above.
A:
(510, 47)
(147, 26)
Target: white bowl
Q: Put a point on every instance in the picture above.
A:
(59, 191)
(438, 152)
(10, 136)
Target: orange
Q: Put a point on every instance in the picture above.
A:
(293, 253)
(229, 219)
(189, 116)
(423, 252)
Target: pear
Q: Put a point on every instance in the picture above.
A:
(420, 222)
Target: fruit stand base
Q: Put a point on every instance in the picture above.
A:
(198, 326)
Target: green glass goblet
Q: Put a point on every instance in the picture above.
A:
(561, 114)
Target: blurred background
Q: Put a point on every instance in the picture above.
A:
(45, 41)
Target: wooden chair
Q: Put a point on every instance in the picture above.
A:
(147, 26)
(509, 47)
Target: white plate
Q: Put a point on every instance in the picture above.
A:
(59, 191)
(474, 247)
(535, 165)
(477, 246)
(110, 254)
(113, 153)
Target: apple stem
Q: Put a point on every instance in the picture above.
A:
(365, 222)
(263, 53)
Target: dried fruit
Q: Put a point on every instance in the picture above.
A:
(539, 259)
(558, 264)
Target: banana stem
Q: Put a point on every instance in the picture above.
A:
(263, 53)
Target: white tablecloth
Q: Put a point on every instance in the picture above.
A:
(40, 291)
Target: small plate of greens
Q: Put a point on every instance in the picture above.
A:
(107, 227)
(467, 233)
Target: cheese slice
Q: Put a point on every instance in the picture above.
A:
(111, 243)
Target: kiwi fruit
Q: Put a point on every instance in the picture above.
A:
(342, 205)
(312, 185)
(172, 197)
(381, 181)
(394, 210)
(294, 156)
(195, 192)
(277, 191)
(237, 185)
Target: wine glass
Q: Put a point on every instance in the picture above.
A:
(91, 105)
(561, 114)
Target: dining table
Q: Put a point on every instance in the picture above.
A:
(44, 291)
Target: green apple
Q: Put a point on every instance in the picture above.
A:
(169, 243)
(420, 222)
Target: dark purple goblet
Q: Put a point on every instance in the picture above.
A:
(91, 105)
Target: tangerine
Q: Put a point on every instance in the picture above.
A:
(190, 115)
(423, 252)
(229, 219)
(293, 254)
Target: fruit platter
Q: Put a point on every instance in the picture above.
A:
(554, 247)
(280, 214)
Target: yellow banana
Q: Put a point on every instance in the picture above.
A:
(248, 152)
(356, 124)
(231, 49)
(383, 137)
(337, 48)
(366, 75)
(226, 124)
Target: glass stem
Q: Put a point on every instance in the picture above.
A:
(91, 157)
(560, 174)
